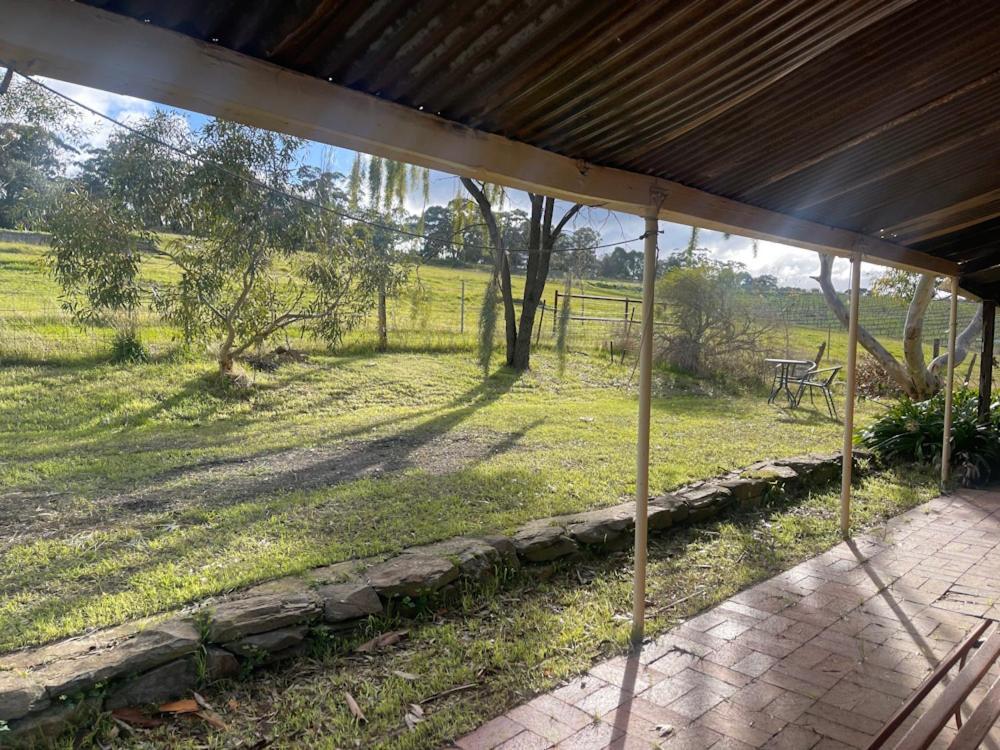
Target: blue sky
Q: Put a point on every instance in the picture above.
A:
(792, 266)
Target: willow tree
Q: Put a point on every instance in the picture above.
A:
(917, 378)
(542, 232)
(385, 183)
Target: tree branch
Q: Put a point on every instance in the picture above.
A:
(566, 217)
(891, 365)
(962, 343)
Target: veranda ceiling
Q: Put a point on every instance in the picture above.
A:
(880, 117)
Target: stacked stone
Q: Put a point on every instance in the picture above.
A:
(44, 689)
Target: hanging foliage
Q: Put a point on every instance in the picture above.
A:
(488, 324)
(354, 184)
(562, 335)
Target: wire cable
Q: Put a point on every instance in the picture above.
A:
(305, 201)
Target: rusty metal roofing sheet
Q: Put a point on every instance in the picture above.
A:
(880, 116)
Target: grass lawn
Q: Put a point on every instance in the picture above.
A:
(128, 490)
(487, 651)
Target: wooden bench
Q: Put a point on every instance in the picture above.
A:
(984, 646)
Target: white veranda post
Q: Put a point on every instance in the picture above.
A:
(849, 398)
(949, 384)
(642, 462)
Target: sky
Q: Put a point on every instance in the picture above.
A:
(791, 266)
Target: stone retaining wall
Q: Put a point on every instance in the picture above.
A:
(44, 689)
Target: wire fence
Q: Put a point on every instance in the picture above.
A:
(440, 308)
(36, 328)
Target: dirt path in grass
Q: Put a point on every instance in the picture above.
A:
(29, 515)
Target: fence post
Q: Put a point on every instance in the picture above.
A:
(555, 312)
(461, 319)
(541, 319)
(937, 347)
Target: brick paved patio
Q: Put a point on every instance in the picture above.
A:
(817, 657)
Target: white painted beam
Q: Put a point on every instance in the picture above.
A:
(850, 399)
(642, 442)
(84, 45)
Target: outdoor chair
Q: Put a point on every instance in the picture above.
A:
(975, 658)
(818, 380)
(786, 372)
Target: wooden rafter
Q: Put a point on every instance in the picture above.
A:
(58, 38)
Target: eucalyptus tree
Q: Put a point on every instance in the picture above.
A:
(915, 376)
(543, 230)
(38, 132)
(386, 184)
(263, 245)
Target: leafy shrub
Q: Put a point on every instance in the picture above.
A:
(127, 347)
(913, 431)
(707, 328)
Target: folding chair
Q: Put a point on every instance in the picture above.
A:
(818, 380)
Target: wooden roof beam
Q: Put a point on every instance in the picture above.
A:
(84, 45)
(949, 219)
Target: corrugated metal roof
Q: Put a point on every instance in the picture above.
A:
(879, 116)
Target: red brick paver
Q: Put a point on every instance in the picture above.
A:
(816, 658)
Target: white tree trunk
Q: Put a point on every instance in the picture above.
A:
(891, 365)
(918, 380)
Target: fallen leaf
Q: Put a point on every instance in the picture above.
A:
(233, 705)
(136, 718)
(210, 717)
(411, 721)
(356, 711)
(417, 710)
(185, 706)
(405, 675)
(382, 641)
(201, 701)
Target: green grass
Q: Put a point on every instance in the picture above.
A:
(128, 490)
(500, 646)
(147, 491)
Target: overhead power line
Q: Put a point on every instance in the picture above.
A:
(302, 199)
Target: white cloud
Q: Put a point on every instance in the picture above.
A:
(791, 266)
(124, 108)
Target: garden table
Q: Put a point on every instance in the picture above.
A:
(784, 371)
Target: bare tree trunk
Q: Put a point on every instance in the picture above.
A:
(924, 383)
(541, 239)
(895, 370)
(963, 341)
(226, 352)
(521, 359)
(501, 265)
(916, 379)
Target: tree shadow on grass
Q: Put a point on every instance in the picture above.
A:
(165, 565)
(184, 494)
